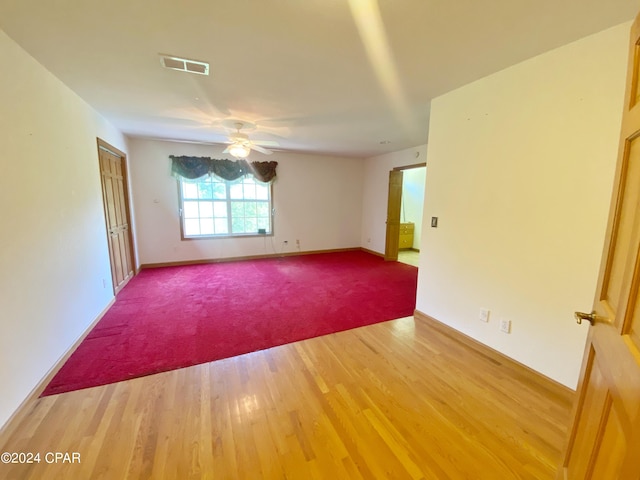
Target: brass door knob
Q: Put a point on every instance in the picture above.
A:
(591, 317)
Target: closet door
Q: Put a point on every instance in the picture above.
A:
(116, 211)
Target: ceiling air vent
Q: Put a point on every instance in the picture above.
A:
(184, 64)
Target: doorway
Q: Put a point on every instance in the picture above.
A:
(404, 213)
(115, 199)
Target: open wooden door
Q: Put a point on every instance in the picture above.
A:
(116, 212)
(604, 442)
(393, 216)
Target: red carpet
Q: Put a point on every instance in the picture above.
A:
(168, 318)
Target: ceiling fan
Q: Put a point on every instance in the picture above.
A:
(240, 145)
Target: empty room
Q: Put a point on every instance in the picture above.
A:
(351, 239)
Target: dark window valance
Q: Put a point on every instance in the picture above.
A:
(196, 167)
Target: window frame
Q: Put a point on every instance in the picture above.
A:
(228, 201)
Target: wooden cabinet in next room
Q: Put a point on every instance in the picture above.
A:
(406, 236)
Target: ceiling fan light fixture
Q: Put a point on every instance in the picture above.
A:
(239, 151)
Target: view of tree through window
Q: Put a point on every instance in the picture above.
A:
(215, 207)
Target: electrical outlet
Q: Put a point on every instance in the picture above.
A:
(505, 326)
(484, 315)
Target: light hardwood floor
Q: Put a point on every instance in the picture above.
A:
(399, 399)
(410, 257)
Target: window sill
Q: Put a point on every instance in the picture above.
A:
(222, 237)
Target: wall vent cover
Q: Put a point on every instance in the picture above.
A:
(184, 64)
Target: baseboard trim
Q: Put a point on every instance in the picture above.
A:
(377, 254)
(249, 257)
(23, 409)
(549, 384)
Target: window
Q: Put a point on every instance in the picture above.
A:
(213, 207)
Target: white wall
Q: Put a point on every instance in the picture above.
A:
(53, 255)
(520, 173)
(413, 181)
(317, 200)
(376, 192)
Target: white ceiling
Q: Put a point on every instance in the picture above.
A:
(318, 76)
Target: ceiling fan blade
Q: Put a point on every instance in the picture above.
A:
(265, 143)
(226, 150)
(258, 148)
